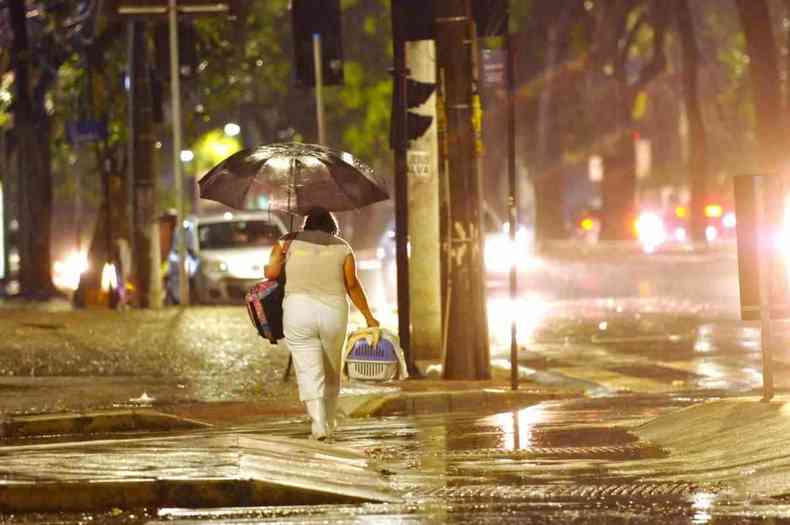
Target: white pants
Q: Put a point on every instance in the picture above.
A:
(315, 333)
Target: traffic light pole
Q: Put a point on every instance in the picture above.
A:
(147, 236)
(400, 144)
(319, 88)
(512, 202)
(178, 174)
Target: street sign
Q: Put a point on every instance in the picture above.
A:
(82, 131)
(494, 63)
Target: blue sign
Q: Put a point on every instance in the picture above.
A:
(82, 131)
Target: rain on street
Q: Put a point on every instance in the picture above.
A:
(633, 355)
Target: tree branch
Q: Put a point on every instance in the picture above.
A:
(622, 56)
(658, 61)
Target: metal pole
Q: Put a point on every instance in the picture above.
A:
(400, 145)
(319, 85)
(512, 205)
(765, 262)
(175, 95)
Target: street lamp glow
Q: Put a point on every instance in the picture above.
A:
(232, 129)
(187, 155)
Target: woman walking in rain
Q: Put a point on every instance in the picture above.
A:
(321, 272)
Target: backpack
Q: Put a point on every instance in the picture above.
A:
(265, 305)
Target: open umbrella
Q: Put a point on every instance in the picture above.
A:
(293, 177)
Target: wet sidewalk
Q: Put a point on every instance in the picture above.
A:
(197, 362)
(104, 409)
(198, 469)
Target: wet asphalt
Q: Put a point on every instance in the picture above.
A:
(636, 353)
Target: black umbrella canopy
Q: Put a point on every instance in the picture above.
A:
(293, 177)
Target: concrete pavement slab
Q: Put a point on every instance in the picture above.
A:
(742, 442)
(209, 468)
(95, 422)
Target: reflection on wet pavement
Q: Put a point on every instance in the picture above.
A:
(559, 461)
(555, 462)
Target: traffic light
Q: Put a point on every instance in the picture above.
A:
(322, 17)
(491, 18)
(417, 94)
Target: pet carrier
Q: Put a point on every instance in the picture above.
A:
(373, 356)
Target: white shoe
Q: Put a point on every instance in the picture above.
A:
(316, 408)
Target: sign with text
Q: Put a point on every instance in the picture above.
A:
(493, 61)
(419, 164)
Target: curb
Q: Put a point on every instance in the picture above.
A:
(493, 399)
(99, 422)
(59, 496)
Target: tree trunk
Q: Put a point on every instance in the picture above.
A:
(548, 183)
(617, 89)
(698, 160)
(767, 95)
(35, 182)
(146, 253)
(618, 192)
(766, 84)
(467, 350)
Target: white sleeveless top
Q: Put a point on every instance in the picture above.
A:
(314, 266)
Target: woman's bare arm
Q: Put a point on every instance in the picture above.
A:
(276, 262)
(355, 290)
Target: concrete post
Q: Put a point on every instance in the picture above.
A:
(423, 202)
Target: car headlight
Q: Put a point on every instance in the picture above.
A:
(216, 267)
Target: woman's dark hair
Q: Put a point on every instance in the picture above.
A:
(321, 219)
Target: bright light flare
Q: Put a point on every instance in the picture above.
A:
(713, 211)
(783, 239)
(528, 312)
(587, 224)
(650, 231)
(711, 233)
(109, 277)
(232, 129)
(500, 253)
(66, 272)
(729, 221)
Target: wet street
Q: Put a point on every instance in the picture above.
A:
(662, 423)
(556, 462)
(641, 342)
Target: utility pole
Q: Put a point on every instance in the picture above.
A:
(178, 174)
(512, 200)
(399, 146)
(146, 227)
(146, 232)
(467, 355)
(423, 205)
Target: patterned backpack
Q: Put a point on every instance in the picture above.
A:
(265, 305)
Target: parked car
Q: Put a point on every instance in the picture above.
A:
(226, 254)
